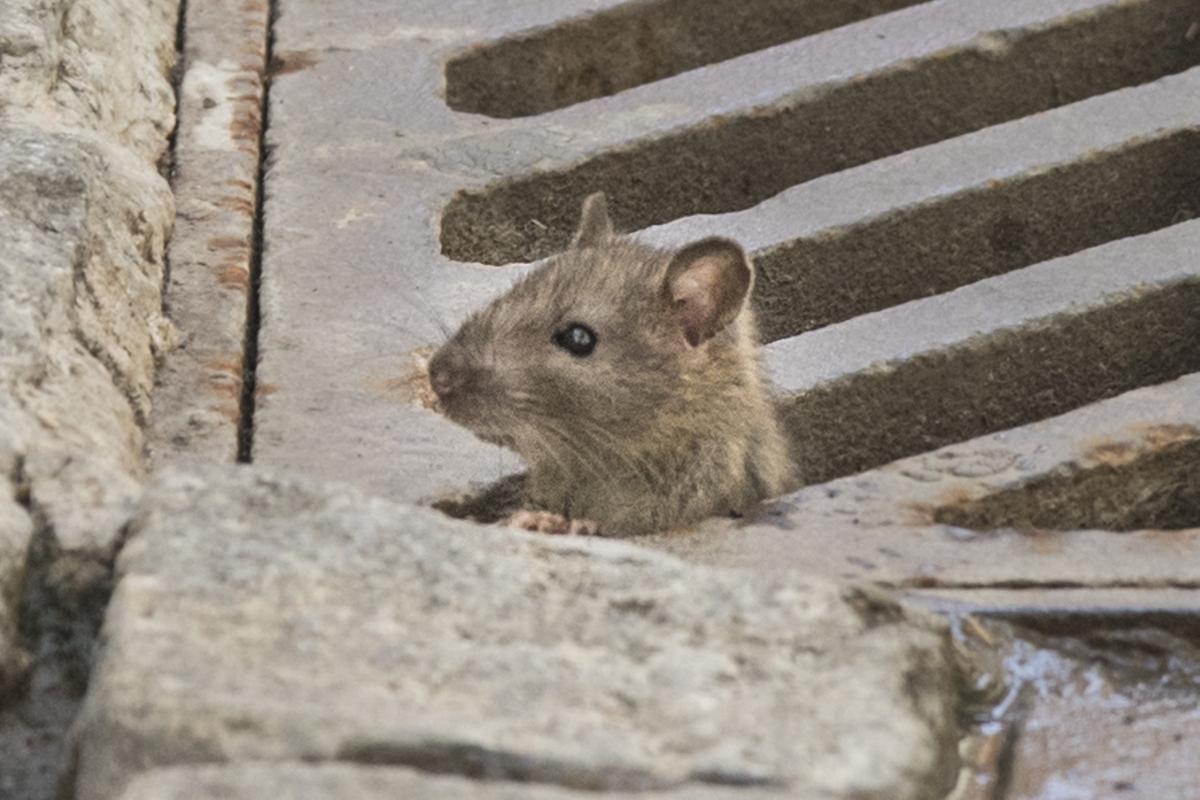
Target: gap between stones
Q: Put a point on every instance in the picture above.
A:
(166, 163)
(245, 427)
(58, 622)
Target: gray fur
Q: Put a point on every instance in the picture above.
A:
(646, 433)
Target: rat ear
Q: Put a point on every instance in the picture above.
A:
(706, 286)
(594, 225)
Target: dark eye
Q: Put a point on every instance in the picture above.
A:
(576, 339)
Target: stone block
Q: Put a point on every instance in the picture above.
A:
(268, 618)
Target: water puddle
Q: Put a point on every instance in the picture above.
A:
(1105, 712)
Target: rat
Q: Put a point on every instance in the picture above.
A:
(628, 378)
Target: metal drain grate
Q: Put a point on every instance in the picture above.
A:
(747, 129)
(969, 218)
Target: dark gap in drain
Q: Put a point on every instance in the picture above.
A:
(991, 384)
(61, 606)
(1003, 226)
(1123, 489)
(167, 162)
(246, 402)
(736, 161)
(496, 764)
(633, 44)
(1106, 623)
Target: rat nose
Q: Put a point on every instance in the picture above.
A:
(445, 374)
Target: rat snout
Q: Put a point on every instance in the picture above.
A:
(449, 374)
(443, 377)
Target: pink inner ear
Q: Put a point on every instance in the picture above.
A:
(693, 295)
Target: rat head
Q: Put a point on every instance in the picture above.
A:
(599, 344)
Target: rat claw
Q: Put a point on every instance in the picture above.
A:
(549, 522)
(583, 527)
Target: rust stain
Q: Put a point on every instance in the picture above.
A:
(252, 80)
(234, 276)
(237, 204)
(1110, 453)
(919, 514)
(956, 496)
(245, 125)
(1151, 438)
(239, 183)
(1182, 540)
(230, 412)
(265, 390)
(229, 366)
(226, 385)
(291, 61)
(227, 389)
(1161, 436)
(228, 242)
(1043, 542)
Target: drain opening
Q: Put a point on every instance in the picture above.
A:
(990, 384)
(737, 161)
(930, 249)
(633, 44)
(1121, 487)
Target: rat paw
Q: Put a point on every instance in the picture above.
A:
(548, 522)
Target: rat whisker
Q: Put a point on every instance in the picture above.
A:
(637, 464)
(598, 437)
(554, 453)
(585, 460)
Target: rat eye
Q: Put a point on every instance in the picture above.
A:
(576, 339)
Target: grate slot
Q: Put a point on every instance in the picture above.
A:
(739, 159)
(630, 45)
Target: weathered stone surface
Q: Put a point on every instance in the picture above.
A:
(484, 651)
(337, 781)
(91, 65)
(80, 323)
(85, 110)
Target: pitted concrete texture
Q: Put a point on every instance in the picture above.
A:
(333, 782)
(374, 180)
(215, 180)
(484, 652)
